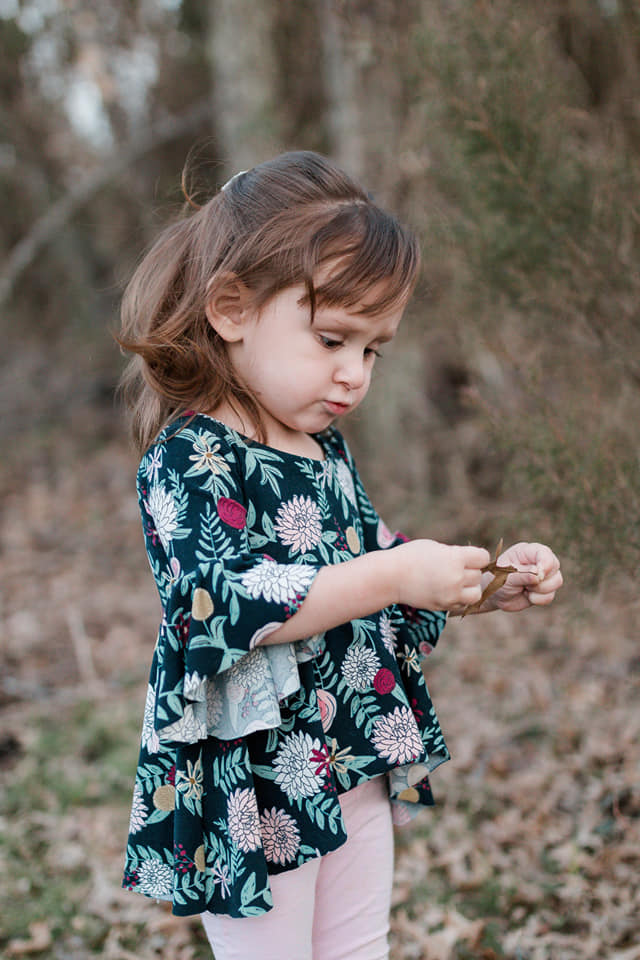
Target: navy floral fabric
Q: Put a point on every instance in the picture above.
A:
(246, 748)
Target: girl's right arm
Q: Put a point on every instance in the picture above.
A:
(422, 573)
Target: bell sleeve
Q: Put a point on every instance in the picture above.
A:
(219, 599)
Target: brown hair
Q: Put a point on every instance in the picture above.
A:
(271, 227)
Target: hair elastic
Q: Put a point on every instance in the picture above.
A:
(231, 179)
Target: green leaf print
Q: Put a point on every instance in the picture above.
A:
(229, 769)
(365, 631)
(257, 541)
(252, 911)
(213, 542)
(332, 816)
(263, 461)
(267, 526)
(267, 773)
(248, 892)
(214, 637)
(188, 884)
(158, 816)
(181, 500)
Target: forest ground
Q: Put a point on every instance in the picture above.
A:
(533, 849)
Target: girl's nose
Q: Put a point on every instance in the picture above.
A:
(351, 370)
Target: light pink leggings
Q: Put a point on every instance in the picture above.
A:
(332, 908)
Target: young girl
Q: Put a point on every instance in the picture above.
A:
(287, 715)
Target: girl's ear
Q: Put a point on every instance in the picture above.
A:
(228, 307)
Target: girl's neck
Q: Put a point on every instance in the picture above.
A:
(278, 436)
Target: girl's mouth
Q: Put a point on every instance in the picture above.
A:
(337, 408)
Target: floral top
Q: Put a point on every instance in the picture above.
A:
(246, 748)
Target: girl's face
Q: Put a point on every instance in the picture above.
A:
(302, 374)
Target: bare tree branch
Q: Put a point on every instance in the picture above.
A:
(60, 213)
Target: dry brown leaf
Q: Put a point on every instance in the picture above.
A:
(39, 940)
(457, 929)
(500, 575)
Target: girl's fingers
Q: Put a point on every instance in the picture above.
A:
(550, 584)
(545, 591)
(540, 599)
(531, 556)
(475, 558)
(470, 595)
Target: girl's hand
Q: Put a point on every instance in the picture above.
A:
(535, 584)
(435, 576)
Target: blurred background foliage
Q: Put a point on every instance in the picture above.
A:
(508, 134)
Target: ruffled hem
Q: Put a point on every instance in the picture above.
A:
(244, 699)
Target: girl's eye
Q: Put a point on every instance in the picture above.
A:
(372, 352)
(329, 342)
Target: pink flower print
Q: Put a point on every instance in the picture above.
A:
(232, 513)
(384, 680)
(244, 822)
(298, 524)
(396, 736)
(280, 836)
(384, 536)
(327, 706)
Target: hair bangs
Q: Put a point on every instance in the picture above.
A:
(373, 261)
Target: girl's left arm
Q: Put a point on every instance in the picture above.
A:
(535, 583)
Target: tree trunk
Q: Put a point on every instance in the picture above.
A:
(244, 79)
(366, 58)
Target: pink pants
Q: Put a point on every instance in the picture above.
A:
(332, 908)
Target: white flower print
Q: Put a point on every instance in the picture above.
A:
(164, 513)
(411, 659)
(206, 456)
(194, 686)
(387, 633)
(277, 582)
(190, 783)
(280, 836)
(156, 878)
(139, 811)
(244, 819)
(298, 524)
(396, 736)
(153, 464)
(359, 667)
(220, 874)
(149, 736)
(345, 480)
(295, 765)
(189, 728)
